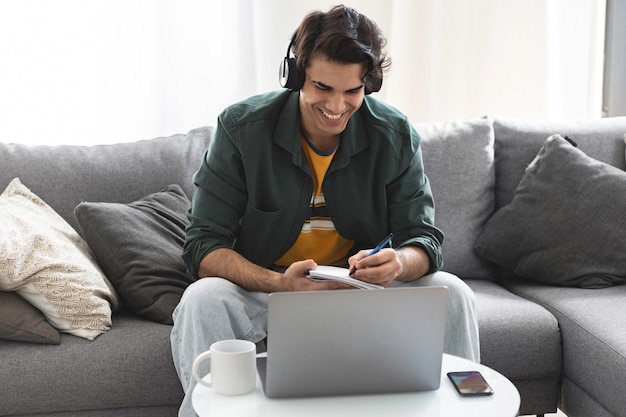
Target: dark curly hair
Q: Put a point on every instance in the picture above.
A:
(345, 36)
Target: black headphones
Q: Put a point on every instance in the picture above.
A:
(289, 75)
(292, 78)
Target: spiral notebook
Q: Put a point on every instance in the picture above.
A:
(335, 273)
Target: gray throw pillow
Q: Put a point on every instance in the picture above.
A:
(565, 224)
(139, 247)
(20, 321)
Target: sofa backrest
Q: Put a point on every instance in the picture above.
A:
(64, 176)
(459, 162)
(475, 167)
(517, 142)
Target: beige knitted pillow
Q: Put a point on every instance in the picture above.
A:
(45, 260)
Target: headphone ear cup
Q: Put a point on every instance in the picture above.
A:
(283, 73)
(289, 76)
(373, 87)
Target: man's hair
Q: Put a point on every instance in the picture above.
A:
(345, 36)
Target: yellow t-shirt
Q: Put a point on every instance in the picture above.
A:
(318, 240)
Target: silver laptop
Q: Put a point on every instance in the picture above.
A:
(347, 342)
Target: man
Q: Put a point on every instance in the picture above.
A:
(318, 174)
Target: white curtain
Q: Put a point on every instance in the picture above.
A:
(95, 71)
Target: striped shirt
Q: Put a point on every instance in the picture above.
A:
(318, 240)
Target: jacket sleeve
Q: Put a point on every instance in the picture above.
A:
(412, 207)
(218, 201)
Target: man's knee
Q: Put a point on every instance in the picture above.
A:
(206, 292)
(437, 279)
(212, 287)
(456, 286)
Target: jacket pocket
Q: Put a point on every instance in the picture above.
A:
(260, 235)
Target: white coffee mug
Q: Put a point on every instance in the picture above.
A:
(233, 367)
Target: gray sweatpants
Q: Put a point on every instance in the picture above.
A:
(213, 309)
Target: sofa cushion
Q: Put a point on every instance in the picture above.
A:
(594, 339)
(521, 340)
(510, 328)
(518, 141)
(139, 246)
(566, 222)
(64, 176)
(129, 367)
(20, 321)
(459, 162)
(48, 264)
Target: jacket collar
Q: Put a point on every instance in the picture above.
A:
(287, 134)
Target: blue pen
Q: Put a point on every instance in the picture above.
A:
(376, 249)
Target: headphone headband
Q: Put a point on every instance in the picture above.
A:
(290, 76)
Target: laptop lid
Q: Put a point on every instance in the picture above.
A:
(346, 342)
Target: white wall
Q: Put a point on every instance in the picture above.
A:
(96, 71)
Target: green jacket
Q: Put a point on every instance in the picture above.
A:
(254, 184)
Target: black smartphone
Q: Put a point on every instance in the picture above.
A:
(470, 383)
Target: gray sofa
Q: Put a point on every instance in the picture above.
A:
(560, 345)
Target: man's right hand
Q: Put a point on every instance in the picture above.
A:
(295, 278)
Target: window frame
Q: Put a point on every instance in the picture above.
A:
(614, 88)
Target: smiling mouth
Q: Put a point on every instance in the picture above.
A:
(332, 116)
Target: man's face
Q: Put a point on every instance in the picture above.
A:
(332, 92)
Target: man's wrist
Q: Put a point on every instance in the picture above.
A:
(415, 263)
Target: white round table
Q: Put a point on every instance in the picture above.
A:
(445, 401)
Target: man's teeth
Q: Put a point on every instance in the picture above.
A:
(330, 116)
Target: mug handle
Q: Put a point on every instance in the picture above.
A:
(196, 363)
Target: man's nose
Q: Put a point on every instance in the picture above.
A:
(335, 103)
